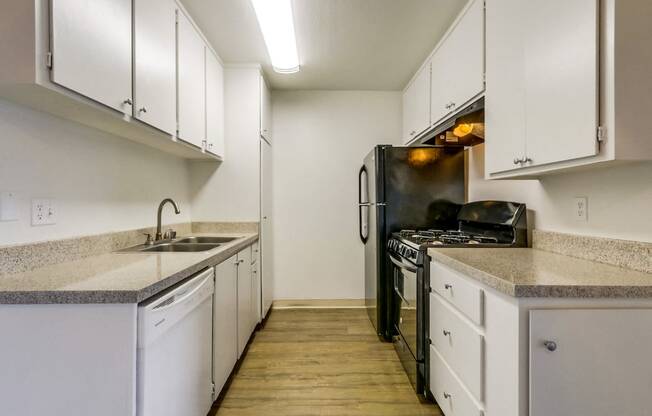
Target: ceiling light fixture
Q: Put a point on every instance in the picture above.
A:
(276, 21)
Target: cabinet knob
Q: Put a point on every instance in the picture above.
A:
(517, 161)
(142, 110)
(526, 160)
(448, 286)
(447, 333)
(447, 395)
(412, 133)
(550, 345)
(127, 102)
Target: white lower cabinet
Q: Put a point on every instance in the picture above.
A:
(538, 356)
(225, 322)
(590, 362)
(244, 299)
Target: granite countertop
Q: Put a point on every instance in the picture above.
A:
(526, 272)
(114, 277)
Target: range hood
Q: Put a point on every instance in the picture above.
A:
(464, 128)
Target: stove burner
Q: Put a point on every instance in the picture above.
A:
(440, 237)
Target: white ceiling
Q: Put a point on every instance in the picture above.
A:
(343, 44)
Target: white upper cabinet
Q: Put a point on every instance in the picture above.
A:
(191, 82)
(458, 64)
(155, 92)
(214, 104)
(416, 105)
(564, 85)
(561, 79)
(92, 51)
(265, 111)
(505, 112)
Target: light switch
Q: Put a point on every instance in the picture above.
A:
(8, 208)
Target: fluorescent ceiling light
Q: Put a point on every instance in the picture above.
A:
(276, 21)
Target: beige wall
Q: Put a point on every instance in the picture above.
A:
(619, 198)
(101, 183)
(320, 141)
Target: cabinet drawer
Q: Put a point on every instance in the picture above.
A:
(458, 290)
(447, 390)
(459, 343)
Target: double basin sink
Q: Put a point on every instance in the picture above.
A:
(181, 245)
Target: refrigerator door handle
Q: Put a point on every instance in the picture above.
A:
(362, 205)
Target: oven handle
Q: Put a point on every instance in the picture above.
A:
(402, 264)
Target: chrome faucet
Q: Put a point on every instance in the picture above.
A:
(159, 236)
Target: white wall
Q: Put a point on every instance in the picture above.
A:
(619, 198)
(320, 141)
(101, 183)
(230, 191)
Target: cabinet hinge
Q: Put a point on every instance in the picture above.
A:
(602, 134)
(48, 60)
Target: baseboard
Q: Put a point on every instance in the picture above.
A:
(319, 304)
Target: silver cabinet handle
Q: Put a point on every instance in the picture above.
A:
(448, 286)
(517, 161)
(447, 333)
(127, 102)
(526, 160)
(142, 110)
(550, 345)
(447, 395)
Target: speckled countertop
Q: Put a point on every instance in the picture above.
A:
(113, 277)
(526, 272)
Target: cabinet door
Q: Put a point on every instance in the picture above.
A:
(266, 231)
(505, 95)
(244, 299)
(191, 82)
(214, 104)
(265, 111)
(600, 367)
(155, 84)
(561, 77)
(440, 85)
(91, 46)
(225, 322)
(416, 105)
(465, 52)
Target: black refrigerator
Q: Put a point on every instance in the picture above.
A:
(403, 188)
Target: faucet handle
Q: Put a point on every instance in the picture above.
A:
(170, 234)
(149, 240)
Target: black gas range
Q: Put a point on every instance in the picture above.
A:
(480, 224)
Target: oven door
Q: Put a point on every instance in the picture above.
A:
(405, 274)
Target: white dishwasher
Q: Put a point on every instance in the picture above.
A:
(175, 350)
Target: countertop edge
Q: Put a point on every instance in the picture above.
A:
(81, 297)
(541, 291)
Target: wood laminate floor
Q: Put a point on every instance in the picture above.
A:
(321, 362)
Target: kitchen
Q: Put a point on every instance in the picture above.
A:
(200, 202)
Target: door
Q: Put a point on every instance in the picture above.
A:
(155, 70)
(416, 105)
(214, 104)
(267, 230)
(91, 47)
(599, 364)
(505, 96)
(225, 322)
(244, 299)
(561, 78)
(191, 82)
(265, 111)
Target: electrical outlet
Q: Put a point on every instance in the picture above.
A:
(581, 209)
(44, 211)
(8, 208)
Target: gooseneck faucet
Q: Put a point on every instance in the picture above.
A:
(159, 236)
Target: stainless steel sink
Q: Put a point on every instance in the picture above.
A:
(205, 240)
(181, 245)
(177, 247)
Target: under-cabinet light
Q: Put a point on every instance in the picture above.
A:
(276, 21)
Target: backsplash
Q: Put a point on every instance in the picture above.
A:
(25, 257)
(633, 255)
